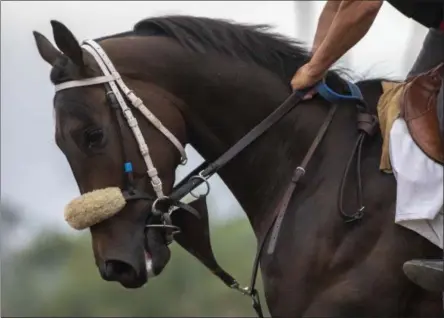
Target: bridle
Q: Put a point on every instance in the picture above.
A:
(115, 86)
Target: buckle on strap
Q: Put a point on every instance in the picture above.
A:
(242, 290)
(253, 294)
(368, 123)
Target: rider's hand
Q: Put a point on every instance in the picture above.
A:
(305, 77)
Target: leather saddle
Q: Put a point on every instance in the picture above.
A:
(418, 107)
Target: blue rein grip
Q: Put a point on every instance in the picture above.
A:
(333, 97)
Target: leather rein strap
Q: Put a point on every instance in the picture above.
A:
(186, 187)
(189, 183)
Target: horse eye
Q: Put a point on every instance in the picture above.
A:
(93, 138)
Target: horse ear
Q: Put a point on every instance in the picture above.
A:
(67, 43)
(47, 51)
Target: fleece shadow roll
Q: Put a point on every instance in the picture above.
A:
(93, 207)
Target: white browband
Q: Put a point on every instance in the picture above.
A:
(112, 77)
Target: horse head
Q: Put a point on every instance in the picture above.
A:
(122, 163)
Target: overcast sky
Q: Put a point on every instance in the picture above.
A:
(35, 174)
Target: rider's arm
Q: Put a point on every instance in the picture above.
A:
(350, 24)
(324, 22)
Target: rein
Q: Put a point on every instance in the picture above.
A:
(205, 173)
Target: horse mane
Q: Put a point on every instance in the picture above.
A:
(251, 43)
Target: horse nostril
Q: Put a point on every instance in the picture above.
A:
(116, 269)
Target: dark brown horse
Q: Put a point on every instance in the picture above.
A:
(209, 82)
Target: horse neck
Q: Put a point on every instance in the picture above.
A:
(223, 103)
(222, 99)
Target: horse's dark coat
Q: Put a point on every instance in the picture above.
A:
(221, 79)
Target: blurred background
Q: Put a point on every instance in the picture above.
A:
(47, 269)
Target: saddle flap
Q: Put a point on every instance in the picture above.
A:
(418, 107)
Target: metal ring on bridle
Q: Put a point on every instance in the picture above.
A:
(168, 223)
(199, 176)
(153, 206)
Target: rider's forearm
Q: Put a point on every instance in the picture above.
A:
(351, 23)
(325, 19)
